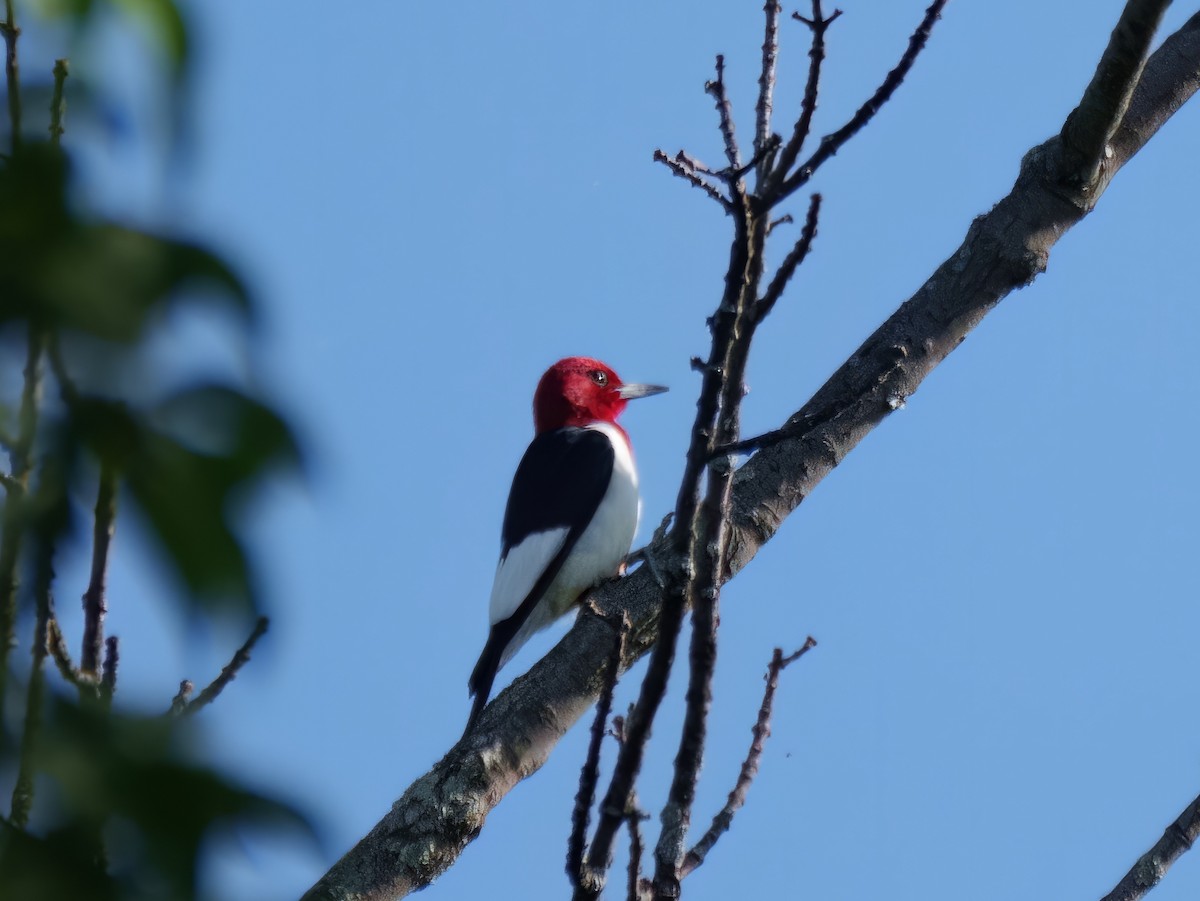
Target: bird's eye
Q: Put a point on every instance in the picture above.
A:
(599, 377)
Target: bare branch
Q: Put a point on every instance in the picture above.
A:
(12, 72)
(43, 579)
(731, 327)
(818, 24)
(108, 678)
(58, 104)
(736, 175)
(766, 88)
(761, 731)
(426, 829)
(57, 646)
(791, 262)
(12, 520)
(1179, 837)
(832, 143)
(228, 672)
(589, 776)
(692, 176)
(716, 88)
(1092, 124)
(633, 820)
(707, 563)
(95, 602)
(785, 219)
(1160, 92)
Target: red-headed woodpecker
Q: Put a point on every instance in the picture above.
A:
(572, 509)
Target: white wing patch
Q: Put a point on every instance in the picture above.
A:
(518, 571)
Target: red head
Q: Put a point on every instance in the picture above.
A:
(578, 390)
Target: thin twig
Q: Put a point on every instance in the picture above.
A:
(240, 659)
(760, 731)
(791, 262)
(95, 602)
(785, 219)
(691, 176)
(12, 72)
(832, 143)
(57, 645)
(766, 89)
(108, 678)
(633, 820)
(58, 103)
(589, 775)
(818, 25)
(12, 522)
(1179, 837)
(716, 88)
(43, 579)
(735, 175)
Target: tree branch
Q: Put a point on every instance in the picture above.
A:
(1092, 124)
(12, 73)
(680, 167)
(43, 579)
(95, 602)
(766, 88)
(760, 732)
(832, 143)
(426, 829)
(108, 677)
(12, 521)
(818, 25)
(1148, 872)
(589, 775)
(58, 103)
(228, 673)
(791, 262)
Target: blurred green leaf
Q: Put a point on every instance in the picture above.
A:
(165, 25)
(103, 279)
(61, 865)
(33, 213)
(187, 462)
(160, 19)
(112, 766)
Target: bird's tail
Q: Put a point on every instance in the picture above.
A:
(480, 683)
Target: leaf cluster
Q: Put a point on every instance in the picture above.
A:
(107, 804)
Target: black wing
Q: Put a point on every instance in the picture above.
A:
(560, 482)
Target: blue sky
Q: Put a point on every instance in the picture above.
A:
(434, 203)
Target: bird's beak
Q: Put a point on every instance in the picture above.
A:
(631, 392)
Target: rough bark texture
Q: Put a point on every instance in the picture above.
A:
(427, 828)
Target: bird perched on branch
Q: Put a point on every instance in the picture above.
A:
(572, 509)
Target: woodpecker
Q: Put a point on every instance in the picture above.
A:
(572, 509)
